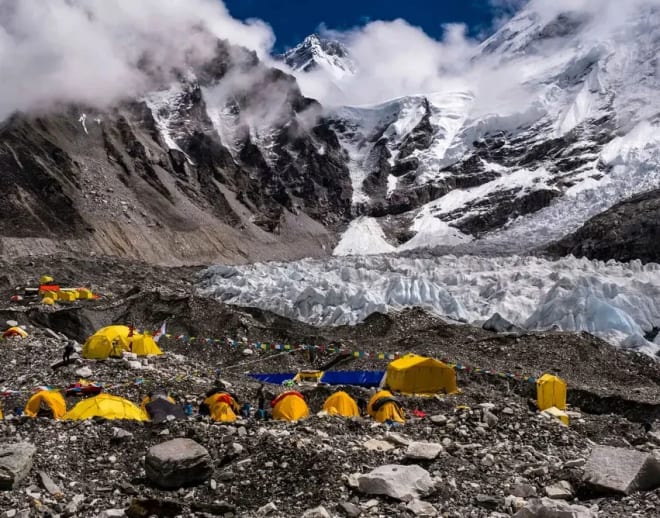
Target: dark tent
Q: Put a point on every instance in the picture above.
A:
(160, 408)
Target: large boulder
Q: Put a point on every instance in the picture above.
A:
(547, 508)
(401, 482)
(621, 470)
(498, 324)
(177, 463)
(423, 450)
(15, 463)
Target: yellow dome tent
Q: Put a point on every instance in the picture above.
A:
(51, 399)
(384, 407)
(414, 374)
(15, 332)
(289, 406)
(1, 416)
(106, 406)
(45, 279)
(222, 407)
(340, 403)
(111, 341)
(550, 392)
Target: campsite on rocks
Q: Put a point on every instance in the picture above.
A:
(400, 268)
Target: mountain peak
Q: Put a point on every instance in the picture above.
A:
(316, 53)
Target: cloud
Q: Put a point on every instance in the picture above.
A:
(99, 51)
(396, 59)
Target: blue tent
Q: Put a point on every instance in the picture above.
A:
(357, 378)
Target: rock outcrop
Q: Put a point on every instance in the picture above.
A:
(177, 463)
(15, 463)
(629, 230)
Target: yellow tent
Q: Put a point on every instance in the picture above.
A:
(113, 340)
(51, 399)
(290, 406)
(1, 416)
(222, 407)
(414, 374)
(384, 407)
(550, 391)
(15, 332)
(45, 279)
(106, 406)
(340, 403)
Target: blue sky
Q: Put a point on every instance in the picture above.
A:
(292, 20)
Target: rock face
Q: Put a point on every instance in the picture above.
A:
(401, 482)
(629, 230)
(153, 178)
(178, 463)
(15, 463)
(547, 508)
(620, 470)
(498, 324)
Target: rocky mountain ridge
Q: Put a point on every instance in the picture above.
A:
(161, 178)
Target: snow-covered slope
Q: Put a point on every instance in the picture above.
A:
(316, 53)
(557, 121)
(613, 300)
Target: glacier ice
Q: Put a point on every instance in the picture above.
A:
(613, 300)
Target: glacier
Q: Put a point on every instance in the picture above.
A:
(619, 302)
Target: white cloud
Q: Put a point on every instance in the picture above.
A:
(99, 51)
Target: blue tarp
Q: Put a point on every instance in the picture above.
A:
(358, 378)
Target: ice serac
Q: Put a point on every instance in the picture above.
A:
(616, 301)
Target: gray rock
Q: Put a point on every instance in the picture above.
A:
(547, 508)
(490, 419)
(421, 508)
(74, 504)
(574, 463)
(15, 463)
(267, 509)
(350, 510)
(121, 435)
(620, 470)
(498, 324)
(423, 450)
(177, 463)
(439, 419)
(523, 490)
(400, 482)
(84, 372)
(317, 512)
(49, 485)
(562, 490)
(376, 445)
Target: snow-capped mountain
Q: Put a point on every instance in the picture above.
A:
(573, 134)
(316, 53)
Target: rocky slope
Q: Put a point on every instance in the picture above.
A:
(629, 230)
(193, 172)
(485, 451)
